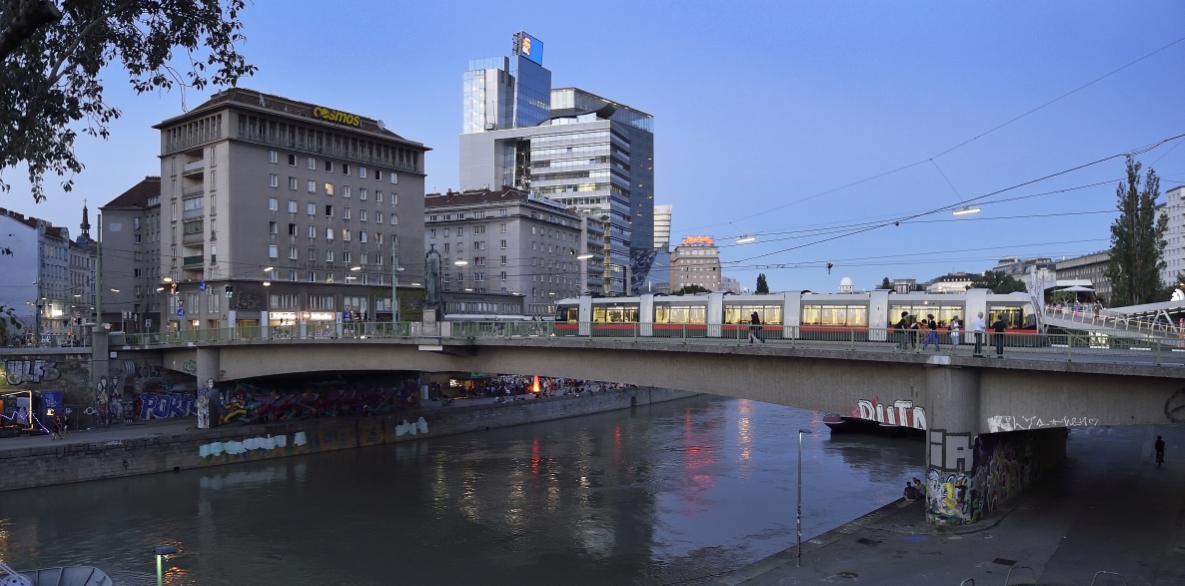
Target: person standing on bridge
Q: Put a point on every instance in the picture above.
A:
(1159, 445)
(998, 327)
(755, 328)
(978, 327)
(902, 327)
(954, 334)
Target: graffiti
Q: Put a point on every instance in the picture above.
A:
(413, 428)
(18, 372)
(248, 300)
(1174, 407)
(973, 478)
(901, 413)
(203, 407)
(114, 443)
(164, 406)
(190, 367)
(1001, 423)
(250, 404)
(235, 448)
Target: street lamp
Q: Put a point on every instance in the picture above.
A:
(746, 240)
(460, 262)
(162, 552)
(584, 256)
(798, 549)
(967, 211)
(355, 269)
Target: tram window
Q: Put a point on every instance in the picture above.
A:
(835, 315)
(615, 314)
(942, 314)
(568, 314)
(1013, 316)
(679, 314)
(739, 314)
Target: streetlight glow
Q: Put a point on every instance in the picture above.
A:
(585, 256)
(460, 262)
(269, 269)
(967, 211)
(355, 269)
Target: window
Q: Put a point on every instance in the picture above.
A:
(328, 256)
(362, 172)
(502, 275)
(272, 157)
(312, 231)
(194, 227)
(312, 276)
(345, 234)
(502, 228)
(345, 256)
(328, 189)
(273, 204)
(378, 174)
(395, 198)
(394, 178)
(394, 220)
(503, 259)
(292, 206)
(378, 237)
(312, 164)
(291, 160)
(362, 258)
(346, 213)
(345, 169)
(345, 191)
(432, 233)
(362, 193)
(292, 183)
(446, 233)
(446, 249)
(329, 233)
(378, 196)
(292, 229)
(311, 209)
(273, 180)
(502, 244)
(362, 236)
(312, 254)
(460, 231)
(502, 213)
(362, 215)
(329, 166)
(378, 217)
(273, 251)
(328, 211)
(273, 228)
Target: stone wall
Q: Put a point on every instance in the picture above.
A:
(48, 369)
(68, 462)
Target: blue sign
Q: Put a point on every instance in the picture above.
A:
(202, 286)
(529, 47)
(180, 312)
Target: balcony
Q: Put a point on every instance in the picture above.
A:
(193, 261)
(194, 168)
(193, 190)
(194, 238)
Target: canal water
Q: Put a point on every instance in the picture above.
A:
(651, 495)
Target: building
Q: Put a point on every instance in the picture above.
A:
(696, 262)
(662, 226)
(731, 285)
(1173, 209)
(283, 212)
(592, 254)
(1038, 274)
(1092, 267)
(579, 149)
(904, 286)
(83, 253)
(35, 259)
(506, 242)
(132, 258)
(951, 283)
(846, 286)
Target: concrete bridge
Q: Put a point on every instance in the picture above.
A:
(991, 425)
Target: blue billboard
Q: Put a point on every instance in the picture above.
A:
(529, 47)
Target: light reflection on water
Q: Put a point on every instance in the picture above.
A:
(643, 496)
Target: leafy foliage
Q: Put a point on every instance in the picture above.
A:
(886, 284)
(50, 75)
(692, 290)
(999, 282)
(9, 324)
(1137, 240)
(762, 285)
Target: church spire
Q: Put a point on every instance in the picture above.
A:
(86, 223)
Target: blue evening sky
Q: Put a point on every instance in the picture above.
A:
(758, 105)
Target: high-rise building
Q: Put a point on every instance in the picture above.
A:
(584, 151)
(281, 212)
(36, 263)
(662, 226)
(132, 259)
(696, 262)
(1174, 251)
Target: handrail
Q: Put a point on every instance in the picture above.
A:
(1096, 577)
(1085, 316)
(1013, 568)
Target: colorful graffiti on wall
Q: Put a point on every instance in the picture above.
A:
(1001, 466)
(901, 412)
(18, 372)
(165, 405)
(251, 404)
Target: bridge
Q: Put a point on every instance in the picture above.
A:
(991, 424)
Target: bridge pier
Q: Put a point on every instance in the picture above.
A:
(968, 473)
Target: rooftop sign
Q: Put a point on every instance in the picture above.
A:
(336, 116)
(528, 47)
(698, 241)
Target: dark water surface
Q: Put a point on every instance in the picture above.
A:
(651, 495)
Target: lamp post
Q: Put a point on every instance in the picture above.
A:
(394, 281)
(162, 552)
(798, 548)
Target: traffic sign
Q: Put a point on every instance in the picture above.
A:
(180, 303)
(180, 312)
(202, 286)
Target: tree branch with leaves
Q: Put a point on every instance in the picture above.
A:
(50, 85)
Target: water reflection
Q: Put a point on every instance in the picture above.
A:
(642, 496)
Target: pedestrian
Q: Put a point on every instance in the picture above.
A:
(913, 332)
(931, 330)
(902, 327)
(978, 327)
(57, 429)
(755, 328)
(998, 329)
(911, 493)
(954, 334)
(1159, 445)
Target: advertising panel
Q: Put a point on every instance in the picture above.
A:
(529, 47)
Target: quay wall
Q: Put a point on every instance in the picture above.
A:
(69, 462)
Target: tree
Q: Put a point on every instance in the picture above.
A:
(762, 286)
(8, 320)
(1137, 240)
(886, 284)
(998, 282)
(52, 64)
(691, 290)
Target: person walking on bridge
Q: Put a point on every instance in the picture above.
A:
(954, 334)
(930, 328)
(978, 327)
(902, 326)
(755, 328)
(1159, 445)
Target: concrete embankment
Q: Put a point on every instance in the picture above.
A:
(177, 445)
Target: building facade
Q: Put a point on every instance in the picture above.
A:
(1173, 209)
(83, 253)
(951, 283)
(1092, 267)
(276, 206)
(35, 258)
(662, 226)
(506, 242)
(131, 258)
(696, 262)
(584, 151)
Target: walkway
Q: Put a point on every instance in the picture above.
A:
(1110, 509)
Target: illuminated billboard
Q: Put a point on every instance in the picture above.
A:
(528, 47)
(698, 241)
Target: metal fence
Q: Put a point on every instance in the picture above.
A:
(46, 341)
(1104, 319)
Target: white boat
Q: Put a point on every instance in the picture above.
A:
(62, 576)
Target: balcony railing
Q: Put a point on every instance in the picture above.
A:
(193, 190)
(190, 261)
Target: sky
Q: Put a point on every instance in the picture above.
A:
(774, 119)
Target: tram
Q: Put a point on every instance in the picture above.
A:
(810, 315)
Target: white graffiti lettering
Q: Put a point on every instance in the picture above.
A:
(1000, 423)
(901, 412)
(19, 372)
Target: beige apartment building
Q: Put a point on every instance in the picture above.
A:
(131, 258)
(696, 262)
(281, 212)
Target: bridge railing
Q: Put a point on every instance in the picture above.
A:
(359, 330)
(1105, 319)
